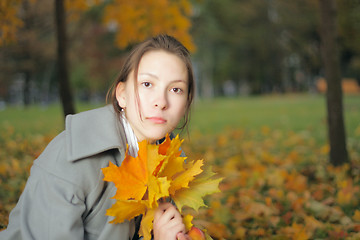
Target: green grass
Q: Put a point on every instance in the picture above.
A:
(36, 119)
(287, 112)
(290, 112)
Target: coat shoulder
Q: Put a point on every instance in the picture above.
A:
(92, 132)
(89, 142)
(85, 174)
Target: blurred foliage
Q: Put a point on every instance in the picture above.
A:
(9, 20)
(263, 45)
(349, 30)
(132, 21)
(271, 45)
(99, 32)
(32, 57)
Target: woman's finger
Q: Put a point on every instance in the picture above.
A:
(167, 222)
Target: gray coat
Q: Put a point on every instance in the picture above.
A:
(65, 196)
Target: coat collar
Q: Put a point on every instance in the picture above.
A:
(93, 132)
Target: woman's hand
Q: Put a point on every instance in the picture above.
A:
(168, 223)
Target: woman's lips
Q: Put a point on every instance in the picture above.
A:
(157, 120)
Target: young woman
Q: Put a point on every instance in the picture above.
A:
(65, 196)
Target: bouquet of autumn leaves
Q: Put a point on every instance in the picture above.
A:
(158, 173)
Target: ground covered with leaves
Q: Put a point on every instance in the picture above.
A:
(277, 184)
(17, 154)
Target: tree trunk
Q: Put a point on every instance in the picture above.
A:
(330, 55)
(62, 69)
(26, 54)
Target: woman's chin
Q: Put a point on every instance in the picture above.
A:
(155, 137)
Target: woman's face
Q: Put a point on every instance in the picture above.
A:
(162, 84)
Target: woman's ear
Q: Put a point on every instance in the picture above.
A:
(120, 94)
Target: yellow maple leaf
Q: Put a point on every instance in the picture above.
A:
(206, 174)
(183, 179)
(173, 163)
(171, 167)
(147, 224)
(149, 153)
(187, 219)
(193, 196)
(158, 188)
(126, 210)
(171, 146)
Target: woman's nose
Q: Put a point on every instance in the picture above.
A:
(161, 101)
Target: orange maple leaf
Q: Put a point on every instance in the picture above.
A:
(132, 178)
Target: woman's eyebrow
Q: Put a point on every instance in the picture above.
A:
(156, 77)
(149, 74)
(179, 80)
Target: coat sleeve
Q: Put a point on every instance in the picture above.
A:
(49, 208)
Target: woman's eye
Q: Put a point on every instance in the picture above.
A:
(177, 90)
(146, 84)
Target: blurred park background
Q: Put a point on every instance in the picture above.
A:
(277, 108)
